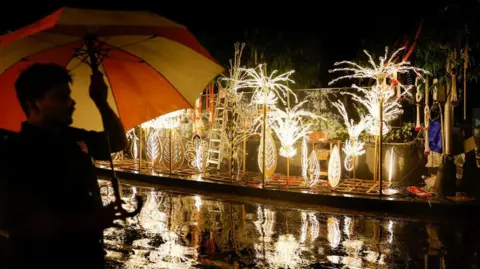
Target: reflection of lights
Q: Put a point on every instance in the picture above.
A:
(346, 226)
(390, 231)
(303, 229)
(265, 225)
(315, 227)
(333, 230)
(287, 253)
(134, 193)
(309, 218)
(151, 218)
(371, 256)
(198, 202)
(352, 248)
(333, 259)
(171, 254)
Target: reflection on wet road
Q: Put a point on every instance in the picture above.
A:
(189, 231)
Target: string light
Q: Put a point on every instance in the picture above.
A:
(290, 127)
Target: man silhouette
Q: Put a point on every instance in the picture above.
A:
(51, 203)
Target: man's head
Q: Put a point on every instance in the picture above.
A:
(44, 94)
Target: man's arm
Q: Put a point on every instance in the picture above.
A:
(112, 124)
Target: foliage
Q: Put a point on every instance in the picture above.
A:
(403, 134)
(320, 104)
(332, 124)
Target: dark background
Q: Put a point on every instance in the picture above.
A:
(313, 34)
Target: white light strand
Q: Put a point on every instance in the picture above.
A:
(290, 127)
(266, 87)
(352, 147)
(381, 92)
(384, 69)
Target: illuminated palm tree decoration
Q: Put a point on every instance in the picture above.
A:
(268, 89)
(290, 126)
(353, 146)
(371, 100)
(386, 68)
(378, 99)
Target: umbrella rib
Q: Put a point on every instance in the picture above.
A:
(47, 41)
(111, 89)
(82, 60)
(136, 42)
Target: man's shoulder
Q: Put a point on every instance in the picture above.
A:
(80, 133)
(13, 147)
(13, 141)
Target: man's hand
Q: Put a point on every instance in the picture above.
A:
(109, 214)
(111, 123)
(98, 89)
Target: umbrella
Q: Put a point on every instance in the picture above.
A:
(152, 65)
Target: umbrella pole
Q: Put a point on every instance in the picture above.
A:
(115, 185)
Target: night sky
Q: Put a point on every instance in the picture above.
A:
(344, 27)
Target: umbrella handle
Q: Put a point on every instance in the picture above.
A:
(135, 212)
(116, 188)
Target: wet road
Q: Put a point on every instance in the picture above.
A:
(191, 231)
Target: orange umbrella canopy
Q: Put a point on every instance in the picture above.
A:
(152, 65)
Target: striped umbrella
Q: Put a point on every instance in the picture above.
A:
(152, 65)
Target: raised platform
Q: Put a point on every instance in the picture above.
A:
(405, 207)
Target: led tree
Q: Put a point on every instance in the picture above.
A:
(379, 99)
(268, 89)
(353, 146)
(290, 125)
(243, 113)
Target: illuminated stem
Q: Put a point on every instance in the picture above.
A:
(288, 159)
(204, 160)
(375, 160)
(354, 156)
(288, 170)
(232, 161)
(244, 152)
(380, 148)
(264, 142)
